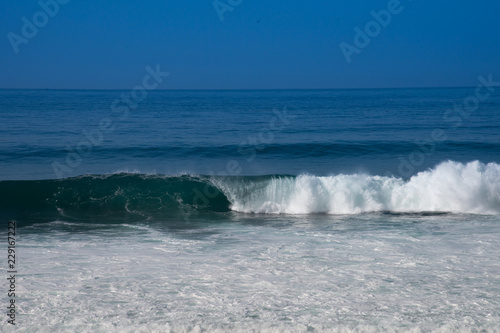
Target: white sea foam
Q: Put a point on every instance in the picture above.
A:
(245, 277)
(449, 187)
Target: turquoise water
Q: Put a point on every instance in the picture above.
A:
(320, 210)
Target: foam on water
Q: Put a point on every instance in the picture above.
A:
(449, 187)
(241, 277)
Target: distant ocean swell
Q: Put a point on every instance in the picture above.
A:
(449, 187)
(248, 151)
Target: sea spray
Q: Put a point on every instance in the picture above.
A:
(449, 187)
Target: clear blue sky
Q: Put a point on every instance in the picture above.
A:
(260, 44)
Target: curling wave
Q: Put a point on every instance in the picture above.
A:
(449, 187)
(108, 198)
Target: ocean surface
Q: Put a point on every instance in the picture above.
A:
(253, 211)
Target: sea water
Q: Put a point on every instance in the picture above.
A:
(272, 211)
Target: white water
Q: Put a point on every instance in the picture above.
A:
(366, 273)
(449, 187)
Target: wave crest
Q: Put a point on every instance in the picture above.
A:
(449, 187)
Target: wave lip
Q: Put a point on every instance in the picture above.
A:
(453, 187)
(116, 197)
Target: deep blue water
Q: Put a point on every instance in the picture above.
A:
(199, 132)
(304, 210)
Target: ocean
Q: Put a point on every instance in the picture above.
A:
(370, 210)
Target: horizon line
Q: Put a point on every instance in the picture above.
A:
(243, 89)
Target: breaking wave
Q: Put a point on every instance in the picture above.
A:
(450, 187)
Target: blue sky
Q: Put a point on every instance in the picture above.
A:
(259, 44)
